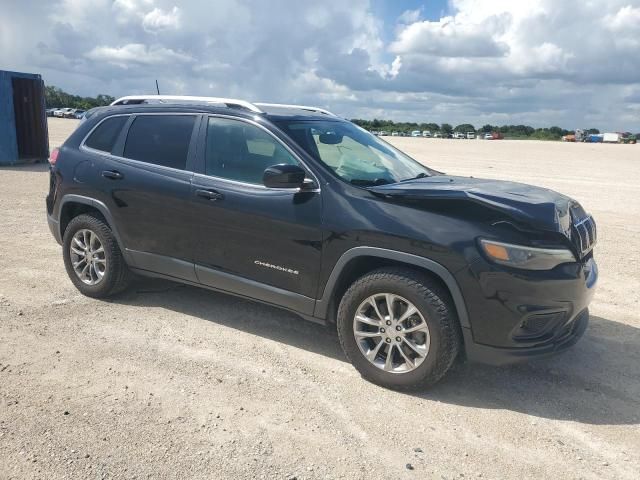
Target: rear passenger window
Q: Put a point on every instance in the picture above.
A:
(105, 135)
(160, 139)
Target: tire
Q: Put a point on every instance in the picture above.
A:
(434, 308)
(116, 276)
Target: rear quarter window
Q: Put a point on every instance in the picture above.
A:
(160, 139)
(104, 137)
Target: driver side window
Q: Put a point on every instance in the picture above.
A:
(239, 151)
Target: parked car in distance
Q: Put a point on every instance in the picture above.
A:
(426, 134)
(628, 138)
(488, 136)
(471, 135)
(437, 135)
(62, 112)
(383, 133)
(459, 135)
(416, 133)
(297, 208)
(394, 134)
(79, 114)
(50, 112)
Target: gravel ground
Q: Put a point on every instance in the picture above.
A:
(168, 381)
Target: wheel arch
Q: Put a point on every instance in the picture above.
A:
(72, 205)
(353, 263)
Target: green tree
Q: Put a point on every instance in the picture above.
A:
(465, 127)
(57, 98)
(446, 128)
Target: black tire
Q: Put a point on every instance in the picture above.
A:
(117, 275)
(435, 306)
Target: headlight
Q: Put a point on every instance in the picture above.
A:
(528, 258)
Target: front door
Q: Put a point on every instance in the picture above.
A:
(259, 242)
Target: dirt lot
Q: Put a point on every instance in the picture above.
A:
(176, 382)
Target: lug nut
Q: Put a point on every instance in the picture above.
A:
(382, 330)
(398, 328)
(388, 322)
(388, 340)
(398, 339)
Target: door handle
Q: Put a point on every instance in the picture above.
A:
(209, 194)
(112, 174)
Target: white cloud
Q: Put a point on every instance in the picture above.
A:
(137, 54)
(157, 20)
(572, 63)
(625, 19)
(453, 37)
(410, 16)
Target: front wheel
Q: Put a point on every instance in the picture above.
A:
(399, 329)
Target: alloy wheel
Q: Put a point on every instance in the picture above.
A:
(391, 333)
(88, 257)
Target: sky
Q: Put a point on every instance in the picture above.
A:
(575, 64)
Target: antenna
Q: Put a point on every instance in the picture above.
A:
(157, 87)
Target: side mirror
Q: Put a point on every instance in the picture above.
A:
(283, 176)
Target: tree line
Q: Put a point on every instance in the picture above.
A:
(509, 131)
(57, 98)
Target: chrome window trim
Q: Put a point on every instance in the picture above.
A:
(140, 163)
(257, 185)
(84, 140)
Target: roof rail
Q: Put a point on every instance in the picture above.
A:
(229, 102)
(301, 107)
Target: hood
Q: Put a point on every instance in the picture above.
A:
(537, 207)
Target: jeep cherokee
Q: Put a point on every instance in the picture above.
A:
(294, 207)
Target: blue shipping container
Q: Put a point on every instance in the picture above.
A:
(23, 119)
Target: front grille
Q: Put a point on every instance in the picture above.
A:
(584, 233)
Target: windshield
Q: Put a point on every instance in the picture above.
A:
(354, 154)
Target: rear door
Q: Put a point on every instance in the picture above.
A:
(261, 242)
(147, 182)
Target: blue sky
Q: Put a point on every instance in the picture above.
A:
(537, 62)
(390, 10)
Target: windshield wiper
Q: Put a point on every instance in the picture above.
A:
(360, 182)
(420, 175)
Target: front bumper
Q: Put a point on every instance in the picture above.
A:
(569, 336)
(515, 315)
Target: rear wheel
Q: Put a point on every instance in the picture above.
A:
(398, 328)
(93, 259)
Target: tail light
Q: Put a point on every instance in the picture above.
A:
(53, 158)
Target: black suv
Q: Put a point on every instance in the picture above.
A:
(295, 207)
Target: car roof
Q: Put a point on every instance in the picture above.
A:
(230, 106)
(272, 113)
